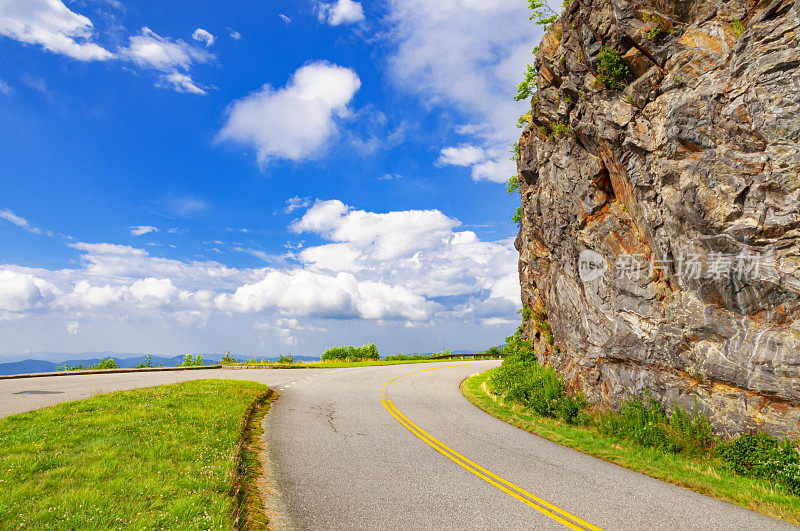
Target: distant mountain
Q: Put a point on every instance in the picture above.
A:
(124, 361)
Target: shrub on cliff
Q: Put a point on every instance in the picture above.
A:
(611, 69)
(343, 353)
(522, 380)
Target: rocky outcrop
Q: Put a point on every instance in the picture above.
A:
(660, 236)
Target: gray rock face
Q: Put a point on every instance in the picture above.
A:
(685, 178)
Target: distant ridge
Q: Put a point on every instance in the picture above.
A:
(125, 361)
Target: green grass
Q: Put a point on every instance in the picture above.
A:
(704, 474)
(158, 458)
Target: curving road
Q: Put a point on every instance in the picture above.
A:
(399, 447)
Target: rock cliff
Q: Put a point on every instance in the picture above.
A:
(660, 183)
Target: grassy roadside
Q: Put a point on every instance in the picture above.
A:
(167, 457)
(701, 474)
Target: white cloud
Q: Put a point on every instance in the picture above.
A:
(342, 12)
(86, 295)
(419, 250)
(172, 57)
(73, 327)
(203, 36)
(141, 230)
(296, 203)
(181, 83)
(463, 155)
(148, 49)
(186, 206)
(5, 88)
(154, 291)
(466, 55)
(22, 223)
(285, 18)
(395, 269)
(296, 121)
(23, 292)
(50, 24)
(235, 35)
(390, 177)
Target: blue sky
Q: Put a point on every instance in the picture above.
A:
(257, 176)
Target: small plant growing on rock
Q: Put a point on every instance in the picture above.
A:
(517, 217)
(611, 69)
(512, 185)
(524, 120)
(514, 152)
(561, 130)
(739, 28)
(654, 32)
(528, 85)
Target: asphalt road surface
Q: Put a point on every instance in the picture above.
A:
(399, 447)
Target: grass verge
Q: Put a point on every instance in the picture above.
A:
(709, 476)
(181, 456)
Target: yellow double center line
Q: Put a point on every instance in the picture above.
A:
(536, 503)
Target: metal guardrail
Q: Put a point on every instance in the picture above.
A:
(460, 356)
(105, 371)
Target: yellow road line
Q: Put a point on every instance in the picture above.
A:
(540, 505)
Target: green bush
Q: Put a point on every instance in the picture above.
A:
(644, 421)
(762, 455)
(493, 352)
(342, 353)
(189, 361)
(227, 359)
(146, 364)
(289, 359)
(611, 68)
(105, 363)
(522, 380)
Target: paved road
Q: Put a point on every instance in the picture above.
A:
(349, 455)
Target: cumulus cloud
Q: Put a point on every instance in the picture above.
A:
(285, 18)
(296, 121)
(341, 12)
(235, 35)
(467, 56)
(419, 250)
(203, 36)
(141, 230)
(51, 25)
(5, 88)
(23, 292)
(411, 268)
